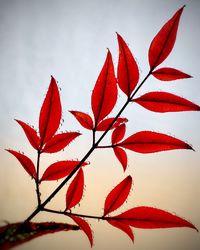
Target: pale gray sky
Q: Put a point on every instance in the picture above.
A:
(68, 39)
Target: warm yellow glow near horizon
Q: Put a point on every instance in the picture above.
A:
(68, 39)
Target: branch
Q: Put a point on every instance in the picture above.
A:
(94, 146)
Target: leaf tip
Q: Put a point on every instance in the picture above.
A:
(195, 228)
(190, 147)
(192, 226)
(181, 9)
(129, 178)
(18, 121)
(124, 168)
(9, 150)
(108, 50)
(119, 38)
(53, 80)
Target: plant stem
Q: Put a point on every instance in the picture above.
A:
(94, 146)
(93, 137)
(107, 146)
(81, 215)
(140, 85)
(75, 214)
(42, 205)
(37, 179)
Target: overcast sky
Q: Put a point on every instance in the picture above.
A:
(69, 40)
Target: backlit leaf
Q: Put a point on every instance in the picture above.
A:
(118, 134)
(164, 41)
(165, 102)
(104, 124)
(50, 113)
(118, 195)
(124, 227)
(169, 74)
(75, 190)
(59, 142)
(127, 71)
(26, 163)
(31, 134)
(104, 95)
(59, 170)
(84, 119)
(121, 156)
(149, 217)
(149, 142)
(84, 226)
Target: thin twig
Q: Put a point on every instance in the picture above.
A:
(37, 179)
(106, 146)
(93, 137)
(75, 214)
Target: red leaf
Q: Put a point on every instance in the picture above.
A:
(149, 217)
(59, 142)
(26, 163)
(127, 71)
(165, 102)
(84, 226)
(84, 119)
(104, 124)
(104, 95)
(118, 133)
(118, 195)
(50, 113)
(124, 227)
(59, 170)
(169, 74)
(149, 142)
(75, 190)
(164, 41)
(121, 156)
(31, 134)
(28, 232)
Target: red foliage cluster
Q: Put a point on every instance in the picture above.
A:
(103, 100)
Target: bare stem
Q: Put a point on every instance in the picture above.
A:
(93, 137)
(75, 214)
(106, 146)
(81, 215)
(37, 179)
(94, 146)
